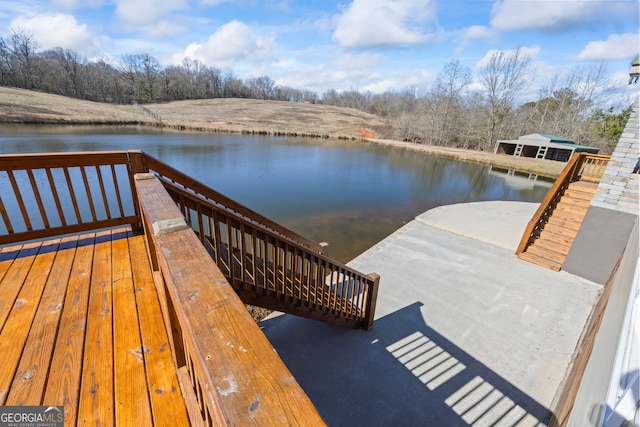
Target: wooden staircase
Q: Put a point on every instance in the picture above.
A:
(553, 228)
(551, 247)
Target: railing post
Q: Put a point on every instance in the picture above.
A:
(136, 165)
(325, 248)
(372, 297)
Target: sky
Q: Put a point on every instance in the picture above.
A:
(364, 45)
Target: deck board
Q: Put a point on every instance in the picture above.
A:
(17, 264)
(16, 329)
(166, 400)
(131, 396)
(82, 327)
(63, 384)
(30, 379)
(96, 387)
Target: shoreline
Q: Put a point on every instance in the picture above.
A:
(238, 116)
(545, 168)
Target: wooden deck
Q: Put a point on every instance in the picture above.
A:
(81, 326)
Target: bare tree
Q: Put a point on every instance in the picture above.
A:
(22, 59)
(448, 93)
(261, 87)
(140, 71)
(70, 66)
(504, 78)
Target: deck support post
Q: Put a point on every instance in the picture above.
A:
(372, 297)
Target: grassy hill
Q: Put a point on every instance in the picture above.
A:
(237, 116)
(219, 115)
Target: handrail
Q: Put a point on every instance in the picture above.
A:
(275, 269)
(581, 166)
(191, 185)
(230, 374)
(44, 195)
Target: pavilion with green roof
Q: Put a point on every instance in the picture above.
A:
(543, 146)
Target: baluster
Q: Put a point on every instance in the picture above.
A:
(16, 192)
(85, 180)
(5, 217)
(36, 194)
(104, 192)
(117, 190)
(56, 197)
(72, 195)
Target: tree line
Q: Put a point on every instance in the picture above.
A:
(447, 113)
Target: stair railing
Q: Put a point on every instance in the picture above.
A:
(267, 264)
(581, 166)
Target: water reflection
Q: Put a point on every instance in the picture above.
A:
(350, 194)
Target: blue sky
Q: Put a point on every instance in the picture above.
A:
(368, 45)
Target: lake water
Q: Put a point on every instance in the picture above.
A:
(350, 194)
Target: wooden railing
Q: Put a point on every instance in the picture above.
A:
(43, 195)
(592, 168)
(229, 373)
(581, 166)
(268, 265)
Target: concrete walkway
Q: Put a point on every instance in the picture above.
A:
(465, 332)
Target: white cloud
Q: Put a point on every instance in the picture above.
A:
(362, 72)
(512, 15)
(466, 36)
(58, 30)
(156, 18)
(617, 46)
(525, 52)
(231, 44)
(371, 23)
(400, 80)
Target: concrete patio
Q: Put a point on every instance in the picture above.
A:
(465, 332)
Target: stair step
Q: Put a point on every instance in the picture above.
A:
(564, 206)
(552, 265)
(585, 186)
(550, 245)
(547, 254)
(568, 215)
(570, 223)
(574, 201)
(555, 238)
(561, 231)
(578, 194)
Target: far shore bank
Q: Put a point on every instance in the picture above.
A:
(547, 168)
(239, 116)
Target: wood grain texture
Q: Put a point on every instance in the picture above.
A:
(241, 378)
(63, 385)
(16, 329)
(30, 379)
(96, 387)
(166, 400)
(131, 394)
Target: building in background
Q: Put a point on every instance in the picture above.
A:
(543, 146)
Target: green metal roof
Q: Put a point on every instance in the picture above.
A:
(556, 138)
(636, 61)
(585, 148)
